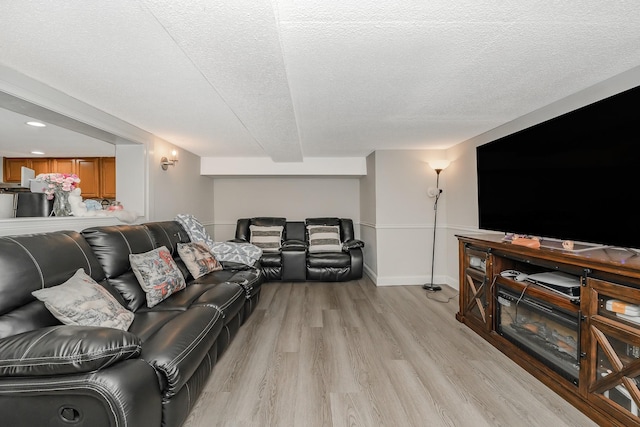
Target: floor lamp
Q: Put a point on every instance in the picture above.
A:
(438, 166)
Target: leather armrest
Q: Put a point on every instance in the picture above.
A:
(294, 245)
(352, 244)
(65, 349)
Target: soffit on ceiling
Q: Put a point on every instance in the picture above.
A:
(288, 79)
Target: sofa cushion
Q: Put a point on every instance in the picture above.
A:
(271, 259)
(148, 321)
(81, 301)
(157, 273)
(179, 346)
(65, 349)
(324, 238)
(269, 239)
(329, 260)
(228, 297)
(198, 259)
(250, 279)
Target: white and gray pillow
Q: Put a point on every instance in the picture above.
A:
(324, 238)
(158, 274)
(267, 238)
(81, 301)
(194, 228)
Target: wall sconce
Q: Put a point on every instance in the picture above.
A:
(165, 163)
(438, 166)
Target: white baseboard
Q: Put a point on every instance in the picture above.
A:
(407, 280)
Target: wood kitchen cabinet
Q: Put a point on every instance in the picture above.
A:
(108, 177)
(12, 167)
(97, 174)
(88, 170)
(63, 166)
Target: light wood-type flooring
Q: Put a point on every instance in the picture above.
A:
(353, 354)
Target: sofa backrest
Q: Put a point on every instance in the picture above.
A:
(345, 224)
(36, 261)
(113, 244)
(243, 230)
(294, 230)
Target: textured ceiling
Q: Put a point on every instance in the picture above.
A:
(318, 78)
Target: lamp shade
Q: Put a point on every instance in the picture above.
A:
(439, 164)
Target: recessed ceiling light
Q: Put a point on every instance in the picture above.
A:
(37, 152)
(37, 124)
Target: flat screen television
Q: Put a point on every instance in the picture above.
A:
(574, 177)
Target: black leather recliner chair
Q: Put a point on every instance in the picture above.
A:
(293, 261)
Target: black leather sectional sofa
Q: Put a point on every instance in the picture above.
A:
(295, 260)
(149, 375)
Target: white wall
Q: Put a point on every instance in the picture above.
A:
(401, 232)
(368, 218)
(291, 198)
(179, 189)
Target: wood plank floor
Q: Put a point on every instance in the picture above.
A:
(353, 354)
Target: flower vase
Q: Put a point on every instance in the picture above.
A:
(61, 206)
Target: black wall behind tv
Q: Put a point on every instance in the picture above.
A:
(574, 177)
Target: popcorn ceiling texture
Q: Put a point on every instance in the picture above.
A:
(288, 79)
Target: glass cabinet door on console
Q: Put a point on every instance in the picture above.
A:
(476, 300)
(614, 346)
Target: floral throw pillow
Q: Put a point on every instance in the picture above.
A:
(198, 259)
(157, 274)
(81, 301)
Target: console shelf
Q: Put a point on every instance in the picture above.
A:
(586, 347)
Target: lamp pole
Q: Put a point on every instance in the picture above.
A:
(430, 286)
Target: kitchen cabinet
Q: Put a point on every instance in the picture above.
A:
(108, 177)
(12, 167)
(63, 166)
(88, 170)
(97, 174)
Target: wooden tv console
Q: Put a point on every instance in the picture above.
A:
(607, 368)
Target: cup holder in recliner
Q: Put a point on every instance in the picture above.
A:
(69, 415)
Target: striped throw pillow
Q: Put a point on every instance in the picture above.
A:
(267, 238)
(324, 238)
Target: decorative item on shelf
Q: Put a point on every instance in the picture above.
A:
(438, 166)
(115, 206)
(58, 186)
(61, 206)
(165, 163)
(530, 242)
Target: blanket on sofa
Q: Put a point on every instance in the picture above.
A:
(243, 253)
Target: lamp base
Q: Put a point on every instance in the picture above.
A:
(431, 287)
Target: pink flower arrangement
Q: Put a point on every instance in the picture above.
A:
(56, 182)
